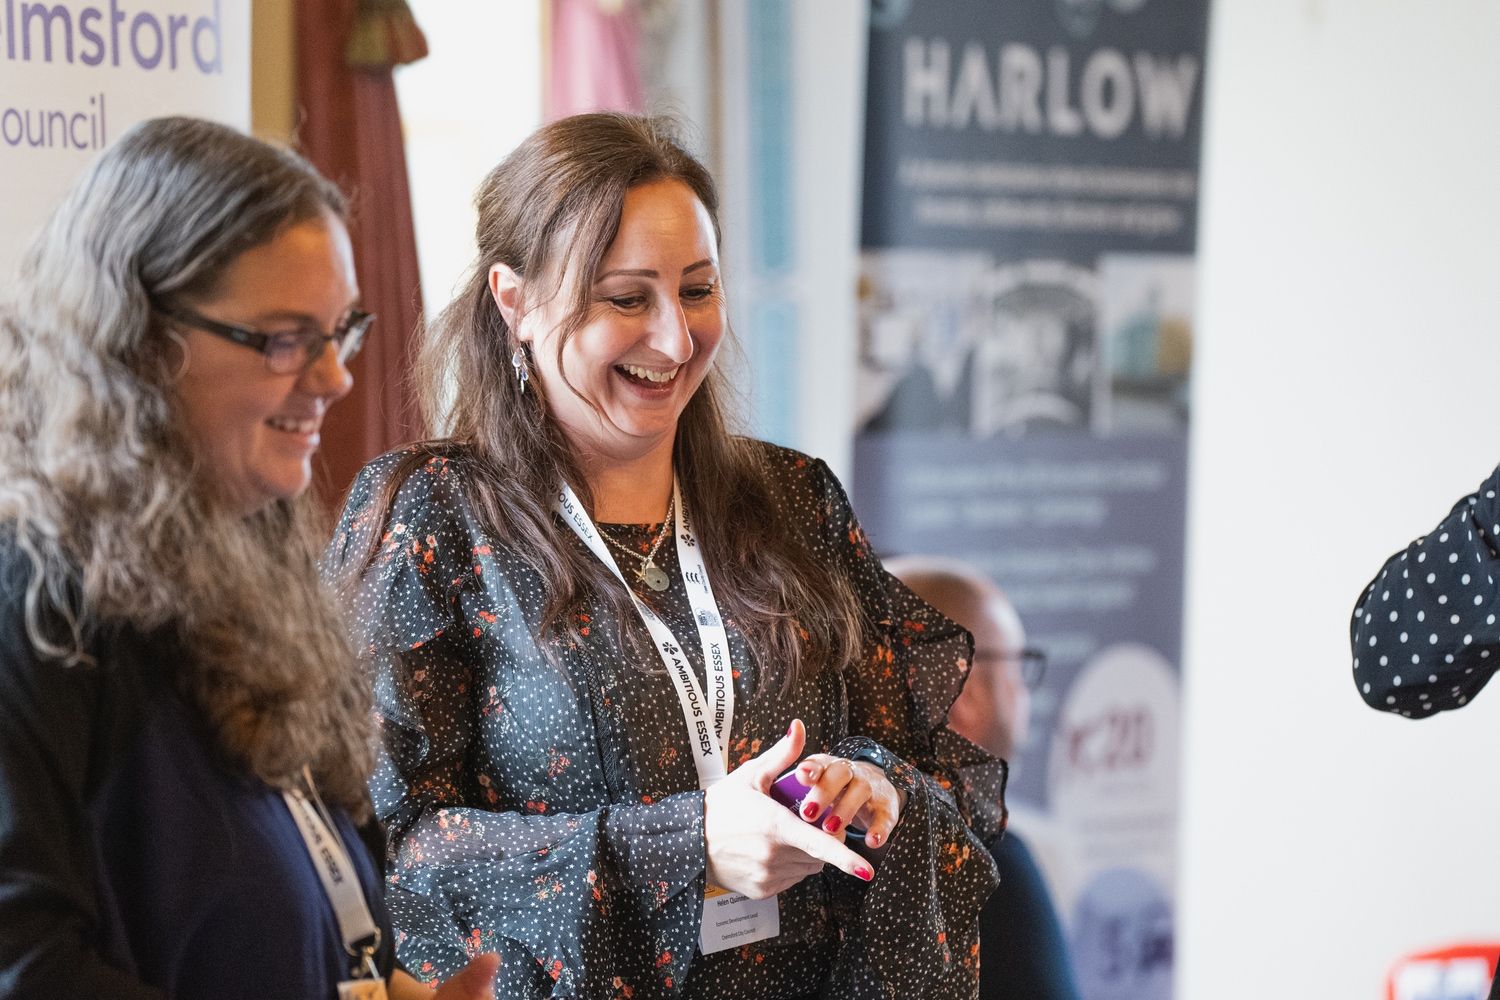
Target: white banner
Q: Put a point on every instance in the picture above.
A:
(74, 76)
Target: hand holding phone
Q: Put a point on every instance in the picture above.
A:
(790, 792)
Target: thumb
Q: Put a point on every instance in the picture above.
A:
(475, 982)
(785, 752)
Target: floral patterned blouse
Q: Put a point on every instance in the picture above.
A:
(552, 812)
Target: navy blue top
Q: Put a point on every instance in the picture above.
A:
(1023, 954)
(134, 863)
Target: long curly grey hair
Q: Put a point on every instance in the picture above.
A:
(101, 487)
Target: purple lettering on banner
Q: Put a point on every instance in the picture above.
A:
(215, 30)
(48, 31)
(175, 23)
(141, 19)
(116, 18)
(73, 128)
(5, 121)
(103, 138)
(30, 13)
(56, 118)
(40, 139)
(91, 36)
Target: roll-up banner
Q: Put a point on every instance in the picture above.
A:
(74, 75)
(1026, 332)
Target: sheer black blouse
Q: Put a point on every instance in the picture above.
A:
(553, 814)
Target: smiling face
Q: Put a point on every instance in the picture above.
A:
(255, 431)
(653, 325)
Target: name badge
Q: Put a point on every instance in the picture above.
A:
(362, 989)
(730, 920)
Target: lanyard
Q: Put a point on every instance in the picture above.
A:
(708, 720)
(337, 873)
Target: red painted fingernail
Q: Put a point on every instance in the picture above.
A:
(873, 840)
(832, 824)
(810, 810)
(863, 872)
(789, 728)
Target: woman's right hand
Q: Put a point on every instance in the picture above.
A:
(755, 845)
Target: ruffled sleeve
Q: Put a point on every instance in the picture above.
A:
(403, 597)
(916, 925)
(566, 896)
(1424, 633)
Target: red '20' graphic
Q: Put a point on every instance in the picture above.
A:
(1119, 739)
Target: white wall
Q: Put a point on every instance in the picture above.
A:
(829, 60)
(463, 109)
(828, 68)
(1345, 397)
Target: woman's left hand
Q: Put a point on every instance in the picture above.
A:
(859, 792)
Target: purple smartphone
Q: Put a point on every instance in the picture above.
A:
(790, 792)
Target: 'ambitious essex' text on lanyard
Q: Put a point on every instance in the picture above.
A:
(729, 918)
(708, 719)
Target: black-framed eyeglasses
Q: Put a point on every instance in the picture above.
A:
(285, 353)
(1032, 661)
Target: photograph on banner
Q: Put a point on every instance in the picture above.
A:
(75, 75)
(1026, 314)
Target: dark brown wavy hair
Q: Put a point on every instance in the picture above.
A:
(98, 477)
(551, 209)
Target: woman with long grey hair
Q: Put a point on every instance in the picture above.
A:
(184, 734)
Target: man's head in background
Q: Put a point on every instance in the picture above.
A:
(995, 706)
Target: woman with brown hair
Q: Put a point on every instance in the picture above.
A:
(178, 699)
(602, 626)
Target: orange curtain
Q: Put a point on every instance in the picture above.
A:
(350, 129)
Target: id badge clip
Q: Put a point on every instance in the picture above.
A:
(372, 988)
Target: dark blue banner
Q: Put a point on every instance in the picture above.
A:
(1026, 334)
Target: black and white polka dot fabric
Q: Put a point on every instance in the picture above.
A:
(551, 812)
(1424, 634)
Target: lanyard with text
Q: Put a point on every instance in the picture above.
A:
(341, 883)
(708, 719)
(729, 919)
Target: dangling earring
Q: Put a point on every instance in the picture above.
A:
(523, 373)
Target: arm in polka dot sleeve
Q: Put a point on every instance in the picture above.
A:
(918, 919)
(1424, 634)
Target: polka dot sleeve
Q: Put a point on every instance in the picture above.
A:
(917, 922)
(1424, 634)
